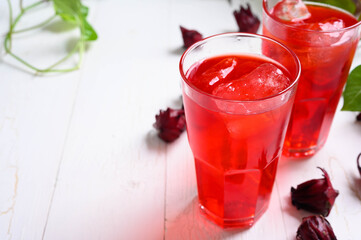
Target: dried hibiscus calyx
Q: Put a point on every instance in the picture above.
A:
(358, 163)
(358, 117)
(170, 124)
(315, 228)
(246, 21)
(316, 195)
(190, 36)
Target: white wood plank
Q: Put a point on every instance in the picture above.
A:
(112, 179)
(34, 115)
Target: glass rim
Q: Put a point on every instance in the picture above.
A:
(240, 34)
(265, 10)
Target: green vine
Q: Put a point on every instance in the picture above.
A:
(71, 11)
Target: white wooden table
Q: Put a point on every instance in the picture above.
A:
(79, 158)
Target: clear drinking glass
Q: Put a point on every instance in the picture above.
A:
(326, 54)
(236, 144)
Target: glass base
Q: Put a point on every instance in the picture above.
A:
(302, 153)
(243, 223)
(296, 153)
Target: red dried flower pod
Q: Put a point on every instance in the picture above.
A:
(190, 36)
(358, 163)
(170, 124)
(316, 195)
(246, 21)
(315, 228)
(358, 117)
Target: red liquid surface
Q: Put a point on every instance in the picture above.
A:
(325, 59)
(235, 155)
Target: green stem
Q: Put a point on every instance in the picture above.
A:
(32, 5)
(7, 43)
(14, 22)
(8, 35)
(36, 26)
(49, 69)
(65, 58)
(8, 40)
(24, 62)
(24, 10)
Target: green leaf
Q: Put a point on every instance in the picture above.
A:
(352, 92)
(68, 10)
(73, 11)
(89, 32)
(347, 5)
(84, 11)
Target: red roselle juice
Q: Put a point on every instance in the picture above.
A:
(236, 153)
(325, 42)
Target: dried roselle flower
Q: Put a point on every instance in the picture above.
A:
(315, 228)
(170, 124)
(316, 195)
(358, 117)
(246, 21)
(190, 36)
(358, 163)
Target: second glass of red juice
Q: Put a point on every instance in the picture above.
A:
(237, 101)
(325, 39)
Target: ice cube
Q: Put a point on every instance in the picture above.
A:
(216, 72)
(219, 71)
(330, 24)
(331, 36)
(263, 81)
(291, 11)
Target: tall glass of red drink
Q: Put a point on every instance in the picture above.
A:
(325, 39)
(237, 101)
